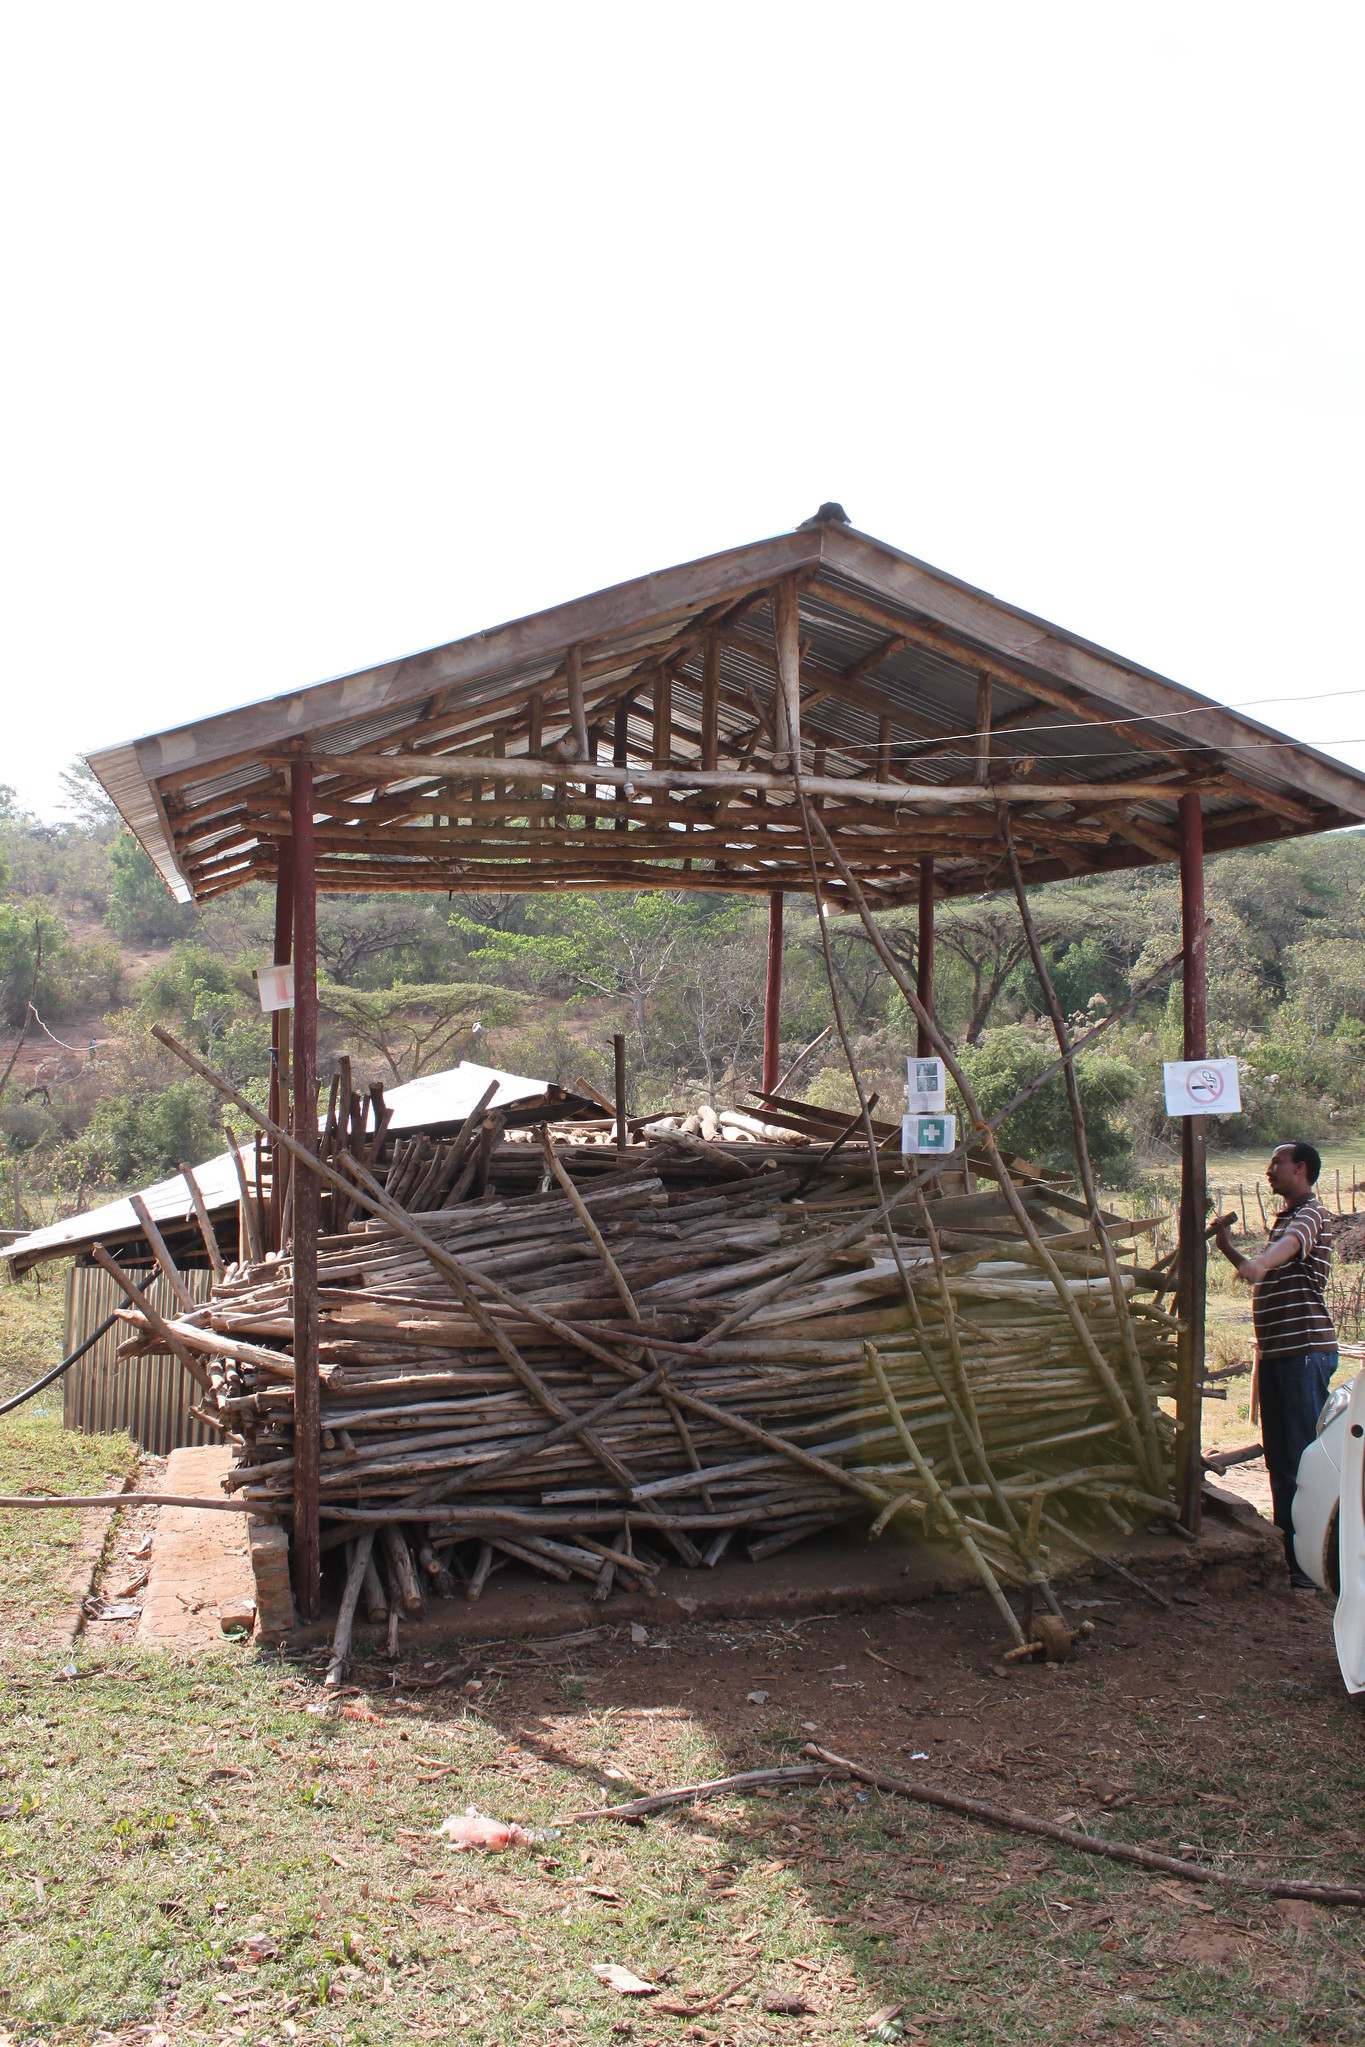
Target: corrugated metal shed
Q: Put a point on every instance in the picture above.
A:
(435, 1102)
(150, 1397)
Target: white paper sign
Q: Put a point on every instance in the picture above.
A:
(1202, 1087)
(275, 985)
(927, 1135)
(925, 1087)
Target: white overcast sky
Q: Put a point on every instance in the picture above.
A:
(336, 332)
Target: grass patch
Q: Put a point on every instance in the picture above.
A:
(37, 1455)
(31, 1317)
(216, 1851)
(38, 1546)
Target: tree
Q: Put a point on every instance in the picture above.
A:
(212, 1003)
(84, 799)
(987, 941)
(415, 1028)
(710, 1014)
(141, 907)
(617, 945)
(859, 973)
(357, 932)
(1004, 1061)
(137, 1138)
(72, 977)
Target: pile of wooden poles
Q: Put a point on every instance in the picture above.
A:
(658, 1357)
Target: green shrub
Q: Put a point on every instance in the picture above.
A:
(139, 1138)
(71, 977)
(141, 908)
(1007, 1060)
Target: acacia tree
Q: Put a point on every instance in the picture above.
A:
(988, 942)
(618, 945)
(356, 932)
(712, 1007)
(415, 1027)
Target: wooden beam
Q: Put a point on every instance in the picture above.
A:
(924, 953)
(787, 702)
(981, 621)
(772, 997)
(710, 703)
(662, 752)
(1190, 1295)
(573, 662)
(831, 682)
(396, 767)
(983, 727)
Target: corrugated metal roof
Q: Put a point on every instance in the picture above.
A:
(884, 637)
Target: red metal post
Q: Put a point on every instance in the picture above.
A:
(279, 1033)
(772, 997)
(924, 952)
(1189, 1390)
(307, 1434)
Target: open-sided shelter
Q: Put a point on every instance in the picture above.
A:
(659, 734)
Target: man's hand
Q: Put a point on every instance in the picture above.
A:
(1220, 1229)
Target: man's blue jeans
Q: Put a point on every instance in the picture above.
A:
(1293, 1388)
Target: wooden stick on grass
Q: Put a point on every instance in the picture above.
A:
(355, 1579)
(1085, 1844)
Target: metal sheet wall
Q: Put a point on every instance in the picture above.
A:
(149, 1397)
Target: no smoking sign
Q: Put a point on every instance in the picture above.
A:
(1202, 1087)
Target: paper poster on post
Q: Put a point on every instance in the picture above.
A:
(1202, 1087)
(926, 1091)
(923, 1136)
(275, 986)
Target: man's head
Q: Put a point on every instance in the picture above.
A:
(1293, 1171)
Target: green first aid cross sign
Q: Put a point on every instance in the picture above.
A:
(921, 1135)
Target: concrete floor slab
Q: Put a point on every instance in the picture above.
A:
(827, 1574)
(200, 1562)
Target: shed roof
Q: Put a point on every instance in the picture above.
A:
(672, 679)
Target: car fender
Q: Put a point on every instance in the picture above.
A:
(1316, 1499)
(1349, 1623)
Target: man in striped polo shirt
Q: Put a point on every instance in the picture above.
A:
(1296, 1343)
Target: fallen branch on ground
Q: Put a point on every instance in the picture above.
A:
(1086, 1844)
(715, 1787)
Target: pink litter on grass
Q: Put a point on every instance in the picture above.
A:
(472, 1830)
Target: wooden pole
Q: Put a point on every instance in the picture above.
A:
(663, 718)
(620, 754)
(205, 1222)
(1193, 1175)
(307, 1431)
(578, 723)
(983, 728)
(772, 996)
(787, 702)
(279, 1032)
(169, 1269)
(249, 1244)
(710, 703)
(618, 1056)
(884, 732)
(924, 953)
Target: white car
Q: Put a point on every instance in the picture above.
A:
(1329, 1520)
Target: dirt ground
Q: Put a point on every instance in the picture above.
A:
(214, 1848)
